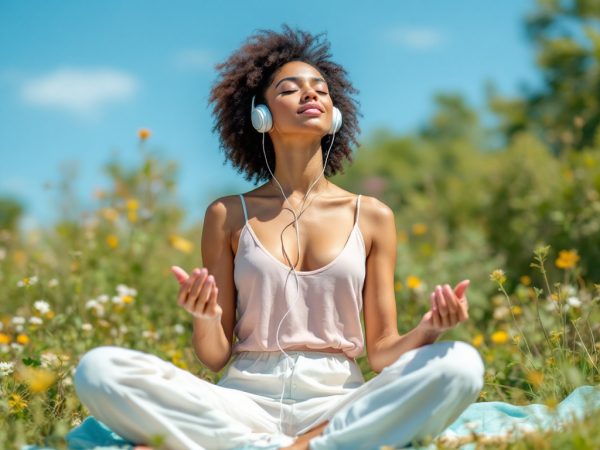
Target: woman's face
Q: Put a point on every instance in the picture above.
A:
(296, 85)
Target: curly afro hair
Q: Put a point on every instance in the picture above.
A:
(249, 71)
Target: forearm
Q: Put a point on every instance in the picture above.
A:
(390, 349)
(210, 343)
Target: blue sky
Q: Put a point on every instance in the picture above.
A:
(78, 79)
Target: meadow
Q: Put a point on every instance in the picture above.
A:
(101, 277)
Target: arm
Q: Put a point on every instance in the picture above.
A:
(384, 344)
(212, 340)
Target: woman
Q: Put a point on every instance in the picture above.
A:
(292, 380)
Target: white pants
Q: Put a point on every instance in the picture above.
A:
(139, 395)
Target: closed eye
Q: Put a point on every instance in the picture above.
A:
(288, 92)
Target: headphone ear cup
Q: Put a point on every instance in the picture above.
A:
(262, 121)
(336, 122)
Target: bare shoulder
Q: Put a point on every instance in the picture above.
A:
(377, 221)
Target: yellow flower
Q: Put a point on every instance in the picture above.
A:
(567, 259)
(477, 340)
(49, 314)
(16, 403)
(127, 299)
(38, 379)
(23, 339)
(535, 378)
(4, 338)
(419, 229)
(516, 339)
(516, 310)
(132, 216)
(132, 204)
(498, 276)
(413, 282)
(112, 241)
(499, 337)
(181, 244)
(143, 133)
(482, 395)
(525, 280)
(555, 336)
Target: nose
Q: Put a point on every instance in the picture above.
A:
(310, 94)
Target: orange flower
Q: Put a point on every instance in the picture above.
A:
(419, 228)
(144, 133)
(23, 339)
(4, 338)
(499, 337)
(567, 259)
(112, 241)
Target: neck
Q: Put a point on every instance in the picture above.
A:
(299, 164)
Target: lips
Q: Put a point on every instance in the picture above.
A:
(311, 107)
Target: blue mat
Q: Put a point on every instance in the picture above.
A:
(486, 418)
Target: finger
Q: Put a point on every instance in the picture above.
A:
(211, 305)
(451, 299)
(461, 287)
(184, 290)
(195, 288)
(437, 319)
(442, 306)
(204, 294)
(179, 273)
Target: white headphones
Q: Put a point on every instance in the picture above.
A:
(262, 121)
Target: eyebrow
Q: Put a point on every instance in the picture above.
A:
(299, 78)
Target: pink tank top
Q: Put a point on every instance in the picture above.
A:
(326, 314)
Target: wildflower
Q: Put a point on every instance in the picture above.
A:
(516, 339)
(49, 359)
(16, 403)
(477, 340)
(103, 298)
(53, 282)
(517, 310)
(143, 133)
(555, 336)
(35, 320)
(499, 337)
(179, 329)
(501, 312)
(525, 280)
(42, 306)
(86, 326)
(112, 241)
(498, 276)
(18, 320)
(151, 334)
(567, 259)
(413, 282)
(4, 338)
(110, 214)
(6, 368)
(123, 290)
(117, 300)
(27, 281)
(37, 379)
(181, 244)
(419, 229)
(23, 339)
(574, 302)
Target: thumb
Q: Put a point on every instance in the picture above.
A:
(461, 287)
(179, 273)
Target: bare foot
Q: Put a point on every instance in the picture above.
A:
(301, 442)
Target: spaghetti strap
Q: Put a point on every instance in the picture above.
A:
(244, 206)
(357, 208)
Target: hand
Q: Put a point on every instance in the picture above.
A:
(198, 293)
(448, 308)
